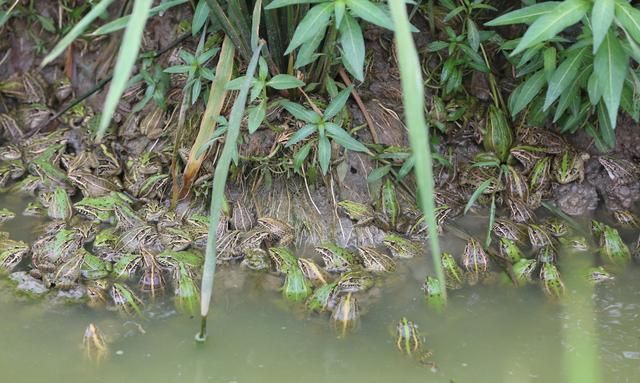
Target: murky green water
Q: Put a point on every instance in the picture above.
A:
(487, 334)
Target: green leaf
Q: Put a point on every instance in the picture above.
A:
(317, 18)
(255, 23)
(76, 31)
(300, 156)
(178, 69)
(607, 131)
(527, 91)
(610, 65)
(597, 140)
(301, 134)
(344, 139)
(284, 81)
(593, 90)
(571, 93)
(307, 52)
(236, 83)
(477, 193)
(200, 16)
(340, 7)
(370, 12)
(564, 76)
(337, 103)
(473, 36)
(601, 19)
(378, 173)
(352, 44)
(256, 116)
(525, 15)
(549, 59)
(629, 18)
(564, 15)
(283, 3)
(300, 112)
(324, 153)
(406, 167)
(122, 22)
(127, 56)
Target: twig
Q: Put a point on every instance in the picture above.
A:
(363, 109)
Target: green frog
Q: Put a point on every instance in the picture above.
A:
(94, 268)
(519, 210)
(188, 258)
(6, 215)
(505, 228)
(556, 227)
(34, 209)
(92, 185)
(626, 218)
(100, 209)
(390, 205)
(410, 342)
(375, 261)
(527, 156)
(354, 281)
(433, 293)
(280, 230)
(524, 270)
(323, 298)
(283, 259)
(539, 236)
(175, 238)
(550, 277)
(599, 275)
(346, 314)
(186, 290)
(474, 259)
(358, 212)
(125, 299)
(540, 176)
(611, 244)
(127, 266)
(547, 254)
(52, 249)
(454, 275)
(509, 250)
(568, 166)
(312, 271)
(255, 259)
(575, 243)
(105, 244)
(11, 252)
(60, 205)
(336, 259)
(295, 287)
(401, 247)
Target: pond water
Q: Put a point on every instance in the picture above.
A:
(492, 333)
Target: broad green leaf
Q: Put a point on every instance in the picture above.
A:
(324, 153)
(307, 52)
(301, 134)
(336, 105)
(525, 15)
(527, 91)
(122, 22)
(406, 167)
(473, 36)
(300, 112)
(601, 19)
(178, 69)
(352, 44)
(236, 83)
(572, 92)
(76, 31)
(378, 173)
(200, 16)
(549, 60)
(593, 90)
(340, 7)
(629, 18)
(317, 18)
(477, 193)
(283, 3)
(284, 81)
(370, 12)
(564, 76)
(600, 145)
(255, 23)
(607, 131)
(563, 16)
(344, 139)
(610, 64)
(127, 56)
(629, 101)
(256, 116)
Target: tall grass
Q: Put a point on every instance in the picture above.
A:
(413, 100)
(217, 193)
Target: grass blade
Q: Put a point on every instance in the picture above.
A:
(413, 99)
(217, 193)
(126, 59)
(123, 21)
(212, 112)
(76, 31)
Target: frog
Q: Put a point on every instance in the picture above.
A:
(539, 236)
(227, 247)
(509, 250)
(598, 275)
(620, 171)
(626, 219)
(52, 249)
(540, 176)
(505, 228)
(283, 259)
(519, 210)
(296, 287)
(279, 230)
(189, 258)
(551, 282)
(34, 209)
(611, 244)
(346, 314)
(400, 247)
(524, 270)
(545, 139)
(547, 254)
(410, 342)
(389, 204)
(152, 279)
(359, 213)
(10, 152)
(152, 211)
(137, 238)
(67, 272)
(255, 259)
(125, 300)
(323, 298)
(528, 156)
(94, 267)
(454, 275)
(568, 166)
(474, 259)
(186, 290)
(175, 238)
(354, 281)
(94, 343)
(10, 170)
(242, 218)
(127, 266)
(312, 272)
(100, 209)
(336, 259)
(11, 253)
(556, 226)
(105, 244)
(575, 243)
(60, 205)
(433, 293)
(6, 215)
(92, 185)
(375, 261)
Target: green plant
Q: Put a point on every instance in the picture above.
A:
(579, 51)
(326, 126)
